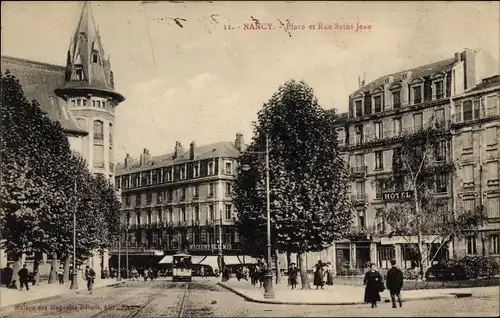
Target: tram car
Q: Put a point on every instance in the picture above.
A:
(181, 267)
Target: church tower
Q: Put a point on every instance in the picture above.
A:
(90, 94)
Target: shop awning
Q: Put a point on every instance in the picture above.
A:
(209, 261)
(167, 259)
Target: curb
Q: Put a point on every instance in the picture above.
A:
(384, 300)
(78, 292)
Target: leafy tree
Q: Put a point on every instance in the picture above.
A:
(422, 164)
(38, 193)
(31, 151)
(308, 178)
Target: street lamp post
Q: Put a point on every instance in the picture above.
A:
(119, 274)
(74, 275)
(268, 286)
(126, 250)
(220, 247)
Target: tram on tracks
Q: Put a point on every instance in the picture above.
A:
(181, 267)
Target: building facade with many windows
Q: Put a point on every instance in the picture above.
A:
(180, 200)
(476, 135)
(380, 113)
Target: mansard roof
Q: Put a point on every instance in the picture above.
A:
(39, 80)
(420, 71)
(223, 149)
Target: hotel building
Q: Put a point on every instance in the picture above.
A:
(380, 113)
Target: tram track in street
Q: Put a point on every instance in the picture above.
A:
(136, 310)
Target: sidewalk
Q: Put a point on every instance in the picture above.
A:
(343, 294)
(10, 297)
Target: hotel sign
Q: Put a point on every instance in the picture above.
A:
(209, 247)
(399, 195)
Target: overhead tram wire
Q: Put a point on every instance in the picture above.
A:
(151, 45)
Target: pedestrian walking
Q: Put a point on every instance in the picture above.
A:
(60, 274)
(245, 273)
(90, 277)
(145, 275)
(292, 274)
(319, 274)
(395, 284)
(329, 274)
(374, 285)
(202, 271)
(24, 277)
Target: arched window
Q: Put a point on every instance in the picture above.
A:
(98, 130)
(95, 57)
(110, 135)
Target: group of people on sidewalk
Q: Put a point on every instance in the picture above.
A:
(373, 281)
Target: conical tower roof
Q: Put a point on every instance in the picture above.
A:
(87, 68)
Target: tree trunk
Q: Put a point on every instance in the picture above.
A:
(67, 263)
(277, 265)
(304, 279)
(36, 269)
(53, 269)
(288, 261)
(16, 266)
(419, 229)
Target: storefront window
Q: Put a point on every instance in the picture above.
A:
(385, 255)
(409, 256)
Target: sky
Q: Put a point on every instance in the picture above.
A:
(206, 81)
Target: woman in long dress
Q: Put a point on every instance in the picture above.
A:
(373, 282)
(329, 274)
(293, 273)
(319, 275)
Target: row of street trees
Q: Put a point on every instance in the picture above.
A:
(309, 183)
(43, 184)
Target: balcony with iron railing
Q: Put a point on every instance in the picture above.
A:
(358, 198)
(359, 171)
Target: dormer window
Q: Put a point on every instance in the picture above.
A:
(377, 103)
(416, 92)
(79, 73)
(438, 90)
(95, 57)
(196, 170)
(396, 99)
(358, 107)
(183, 172)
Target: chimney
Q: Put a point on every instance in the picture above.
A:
(363, 81)
(239, 143)
(192, 147)
(458, 57)
(359, 81)
(145, 157)
(128, 161)
(178, 150)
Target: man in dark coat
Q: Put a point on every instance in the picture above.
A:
(395, 283)
(24, 277)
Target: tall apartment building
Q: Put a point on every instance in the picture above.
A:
(81, 96)
(476, 131)
(180, 199)
(380, 112)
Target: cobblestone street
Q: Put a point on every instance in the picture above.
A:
(203, 298)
